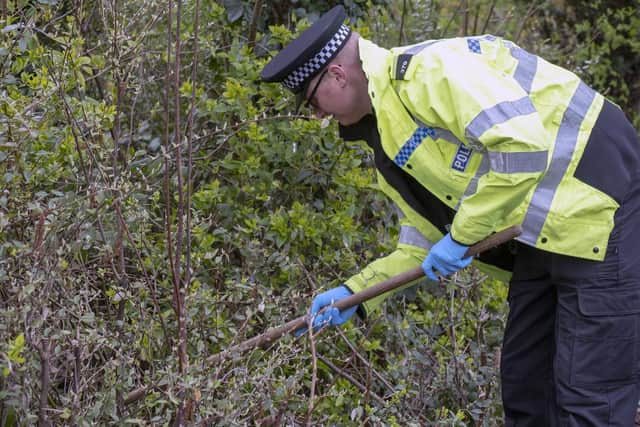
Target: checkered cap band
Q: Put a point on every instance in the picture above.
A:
(298, 77)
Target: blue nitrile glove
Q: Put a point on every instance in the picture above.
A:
(331, 316)
(446, 257)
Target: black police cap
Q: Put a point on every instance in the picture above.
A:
(302, 59)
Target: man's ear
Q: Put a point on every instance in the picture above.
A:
(337, 71)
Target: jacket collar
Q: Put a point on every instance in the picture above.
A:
(375, 61)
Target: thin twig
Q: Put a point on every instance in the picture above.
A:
(530, 11)
(465, 18)
(192, 113)
(349, 378)
(314, 369)
(488, 19)
(178, 281)
(236, 127)
(363, 360)
(453, 337)
(44, 351)
(402, 18)
(453, 16)
(475, 20)
(257, 9)
(167, 145)
(312, 282)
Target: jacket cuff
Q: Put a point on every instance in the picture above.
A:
(360, 311)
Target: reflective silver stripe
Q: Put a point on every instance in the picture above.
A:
(472, 187)
(565, 145)
(440, 133)
(499, 113)
(527, 66)
(519, 162)
(419, 47)
(447, 135)
(411, 236)
(505, 163)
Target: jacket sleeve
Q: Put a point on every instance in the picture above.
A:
(410, 251)
(412, 248)
(488, 110)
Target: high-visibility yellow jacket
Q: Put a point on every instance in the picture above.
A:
(424, 219)
(492, 132)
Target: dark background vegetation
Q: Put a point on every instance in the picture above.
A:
(159, 204)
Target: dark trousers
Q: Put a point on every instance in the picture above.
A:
(571, 351)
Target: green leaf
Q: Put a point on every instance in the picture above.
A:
(15, 350)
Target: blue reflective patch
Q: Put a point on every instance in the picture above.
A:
(412, 143)
(474, 45)
(461, 158)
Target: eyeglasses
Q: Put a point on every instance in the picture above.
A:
(309, 101)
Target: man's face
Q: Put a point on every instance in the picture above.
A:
(335, 93)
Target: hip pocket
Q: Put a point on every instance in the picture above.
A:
(605, 348)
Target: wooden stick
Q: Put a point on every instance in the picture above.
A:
(359, 297)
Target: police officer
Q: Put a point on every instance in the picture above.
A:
(474, 134)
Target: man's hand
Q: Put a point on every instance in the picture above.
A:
(445, 257)
(331, 316)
